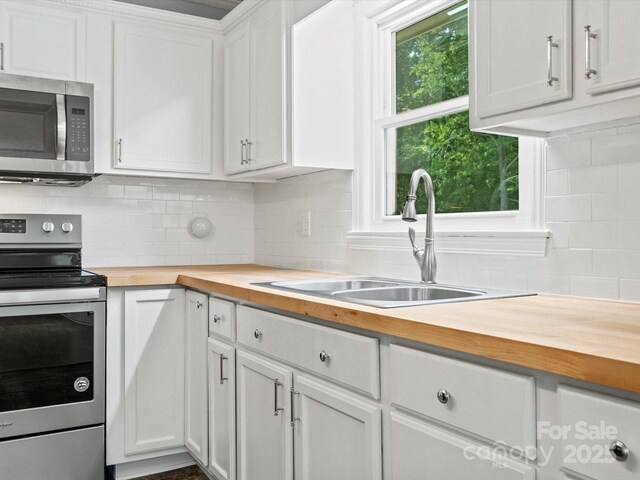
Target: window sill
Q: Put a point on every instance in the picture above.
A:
(514, 243)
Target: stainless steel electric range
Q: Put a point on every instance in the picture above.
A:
(52, 352)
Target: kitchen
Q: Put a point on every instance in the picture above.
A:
(210, 138)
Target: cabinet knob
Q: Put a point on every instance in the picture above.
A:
(198, 304)
(324, 357)
(619, 451)
(443, 396)
(257, 334)
(216, 318)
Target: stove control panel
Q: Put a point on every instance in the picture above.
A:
(39, 230)
(13, 225)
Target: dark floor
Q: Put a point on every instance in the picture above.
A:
(188, 473)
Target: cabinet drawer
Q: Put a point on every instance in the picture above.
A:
(603, 420)
(496, 405)
(222, 319)
(351, 359)
(421, 451)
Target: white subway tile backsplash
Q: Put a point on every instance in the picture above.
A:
(568, 208)
(593, 235)
(136, 221)
(595, 179)
(629, 235)
(598, 287)
(558, 182)
(568, 152)
(616, 148)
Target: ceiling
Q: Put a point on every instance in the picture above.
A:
(215, 9)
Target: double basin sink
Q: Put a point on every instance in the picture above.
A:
(386, 293)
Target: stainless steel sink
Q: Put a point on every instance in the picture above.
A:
(407, 295)
(330, 286)
(388, 293)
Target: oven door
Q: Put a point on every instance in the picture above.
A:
(52, 367)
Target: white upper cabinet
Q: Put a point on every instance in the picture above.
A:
(237, 107)
(40, 41)
(162, 98)
(522, 54)
(254, 81)
(271, 92)
(586, 76)
(614, 48)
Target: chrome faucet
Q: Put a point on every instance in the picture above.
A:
(426, 257)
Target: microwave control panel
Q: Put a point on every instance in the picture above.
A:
(78, 128)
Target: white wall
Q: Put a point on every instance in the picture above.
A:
(592, 208)
(142, 221)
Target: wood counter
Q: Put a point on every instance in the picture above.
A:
(593, 340)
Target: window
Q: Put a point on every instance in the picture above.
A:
(412, 107)
(429, 124)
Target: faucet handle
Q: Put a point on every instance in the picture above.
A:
(418, 253)
(412, 238)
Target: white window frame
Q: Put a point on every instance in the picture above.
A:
(376, 24)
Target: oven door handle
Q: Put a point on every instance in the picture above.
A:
(60, 295)
(61, 140)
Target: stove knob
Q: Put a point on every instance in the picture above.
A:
(48, 226)
(67, 227)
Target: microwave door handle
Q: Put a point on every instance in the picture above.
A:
(61, 141)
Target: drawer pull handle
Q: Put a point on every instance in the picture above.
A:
(276, 409)
(619, 451)
(257, 334)
(324, 357)
(216, 318)
(443, 396)
(222, 377)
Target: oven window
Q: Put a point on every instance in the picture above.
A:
(46, 359)
(28, 124)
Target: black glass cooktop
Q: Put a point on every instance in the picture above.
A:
(50, 279)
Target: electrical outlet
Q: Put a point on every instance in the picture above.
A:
(306, 224)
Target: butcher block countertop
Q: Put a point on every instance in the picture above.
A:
(593, 340)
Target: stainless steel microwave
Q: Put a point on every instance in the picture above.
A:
(46, 131)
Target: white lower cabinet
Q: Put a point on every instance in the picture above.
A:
(263, 414)
(336, 434)
(422, 451)
(195, 419)
(221, 363)
(333, 433)
(153, 370)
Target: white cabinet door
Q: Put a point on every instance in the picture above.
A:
(264, 450)
(195, 420)
(325, 66)
(222, 410)
(509, 54)
(615, 50)
(419, 450)
(336, 435)
(42, 42)
(267, 44)
(237, 100)
(153, 369)
(162, 98)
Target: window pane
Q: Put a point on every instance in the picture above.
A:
(471, 172)
(431, 59)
